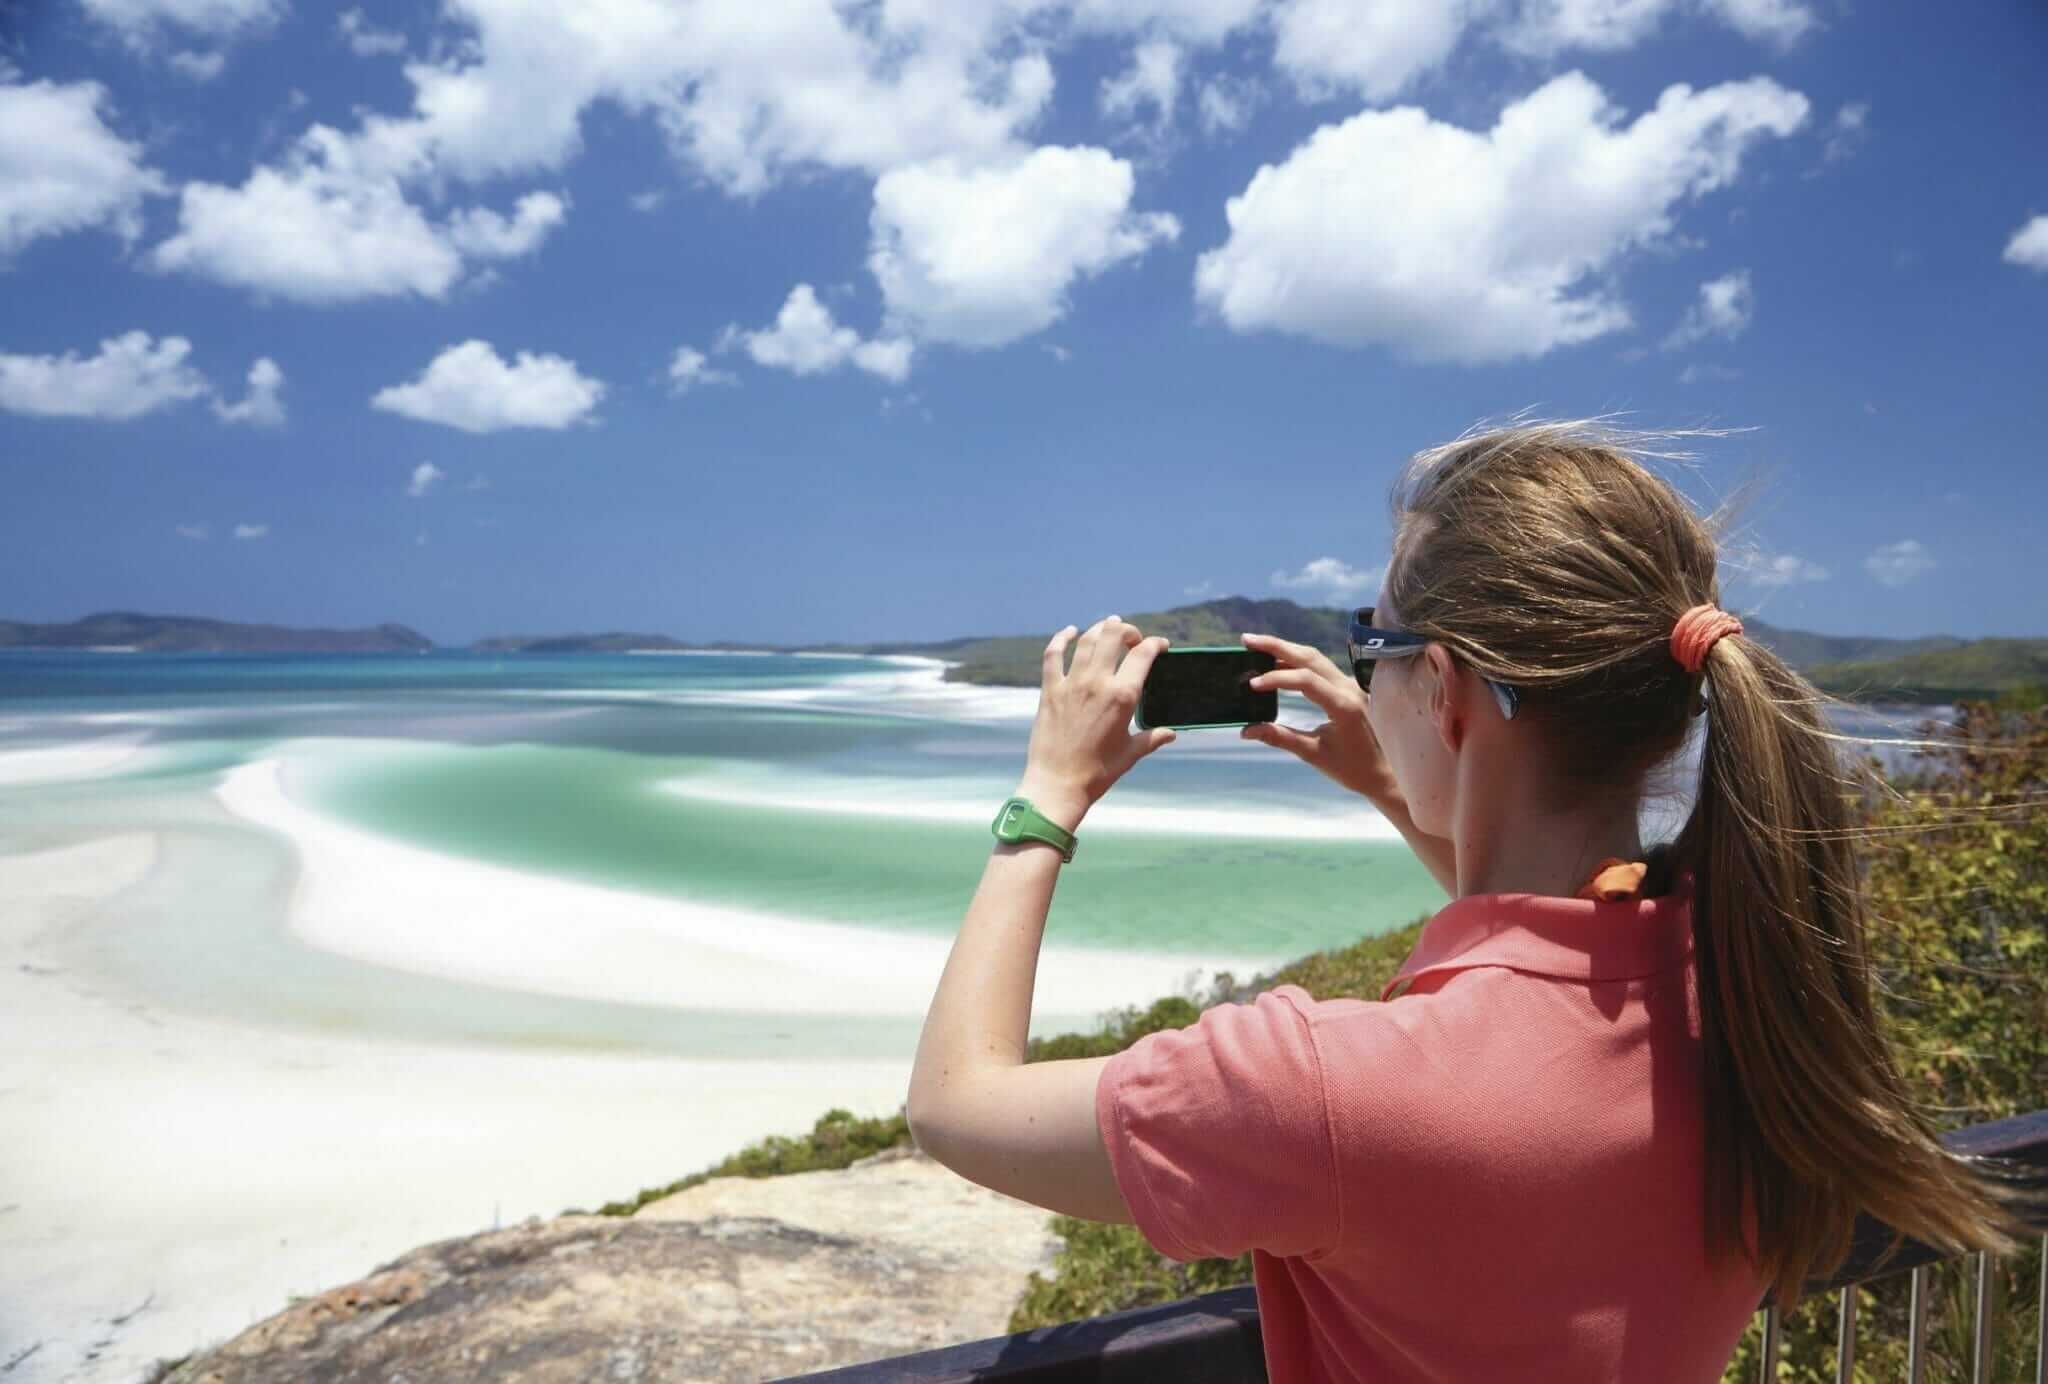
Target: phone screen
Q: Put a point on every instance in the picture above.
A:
(1207, 687)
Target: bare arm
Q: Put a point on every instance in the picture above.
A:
(975, 1105)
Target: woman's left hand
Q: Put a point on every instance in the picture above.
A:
(1081, 741)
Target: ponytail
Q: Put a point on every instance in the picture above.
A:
(1808, 1120)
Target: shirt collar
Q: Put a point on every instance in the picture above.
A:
(1573, 939)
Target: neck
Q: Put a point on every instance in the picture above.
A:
(1507, 844)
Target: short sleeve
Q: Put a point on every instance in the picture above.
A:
(1219, 1133)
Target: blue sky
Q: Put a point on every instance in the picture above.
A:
(791, 321)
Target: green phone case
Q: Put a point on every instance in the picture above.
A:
(1143, 724)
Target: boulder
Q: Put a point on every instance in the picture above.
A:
(734, 1279)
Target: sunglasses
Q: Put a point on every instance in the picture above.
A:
(1369, 646)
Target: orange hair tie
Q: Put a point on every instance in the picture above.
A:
(1696, 632)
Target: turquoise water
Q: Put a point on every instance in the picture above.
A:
(698, 778)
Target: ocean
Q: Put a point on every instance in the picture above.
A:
(843, 791)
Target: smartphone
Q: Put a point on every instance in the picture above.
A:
(1187, 689)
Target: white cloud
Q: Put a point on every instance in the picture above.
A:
(1152, 79)
(1779, 22)
(1851, 127)
(1758, 568)
(142, 22)
(424, 477)
(469, 387)
(1370, 47)
(1725, 308)
(200, 67)
(980, 256)
(2029, 245)
(1225, 104)
(691, 368)
(62, 169)
(251, 530)
(332, 224)
(364, 40)
(1199, 589)
(481, 232)
(1444, 243)
(130, 376)
(805, 340)
(649, 200)
(1698, 371)
(1896, 564)
(1545, 28)
(198, 533)
(1331, 577)
(261, 405)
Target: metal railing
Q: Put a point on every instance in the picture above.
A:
(1214, 1338)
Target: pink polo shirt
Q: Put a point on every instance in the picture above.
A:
(1493, 1172)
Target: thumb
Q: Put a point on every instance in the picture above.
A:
(1154, 739)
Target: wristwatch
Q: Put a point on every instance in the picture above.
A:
(1017, 820)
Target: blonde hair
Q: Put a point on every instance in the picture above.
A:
(1543, 554)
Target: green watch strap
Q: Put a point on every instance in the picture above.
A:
(1017, 820)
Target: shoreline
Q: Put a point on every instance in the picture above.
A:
(407, 908)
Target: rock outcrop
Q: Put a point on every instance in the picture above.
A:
(734, 1279)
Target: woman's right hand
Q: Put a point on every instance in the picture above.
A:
(1344, 746)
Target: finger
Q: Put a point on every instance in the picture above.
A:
(1153, 740)
(1307, 744)
(1054, 659)
(1309, 683)
(1138, 663)
(1300, 655)
(1090, 641)
(1113, 638)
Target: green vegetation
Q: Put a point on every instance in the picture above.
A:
(1982, 670)
(837, 1140)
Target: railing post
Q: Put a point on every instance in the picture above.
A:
(1916, 1325)
(1845, 1338)
(1768, 1370)
(1980, 1364)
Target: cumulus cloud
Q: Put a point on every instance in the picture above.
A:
(1152, 80)
(251, 530)
(261, 405)
(1371, 47)
(806, 340)
(424, 477)
(200, 67)
(1724, 309)
(468, 386)
(690, 368)
(1774, 570)
(1225, 104)
(332, 224)
(980, 256)
(364, 39)
(145, 22)
(1851, 126)
(62, 169)
(1447, 244)
(1779, 22)
(2029, 245)
(1333, 578)
(1897, 564)
(481, 232)
(129, 376)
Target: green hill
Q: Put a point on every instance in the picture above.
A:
(1934, 669)
(168, 634)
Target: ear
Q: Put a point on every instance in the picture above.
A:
(1446, 696)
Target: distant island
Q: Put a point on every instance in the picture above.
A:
(1928, 671)
(122, 630)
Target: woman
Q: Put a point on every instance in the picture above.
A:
(1615, 1096)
